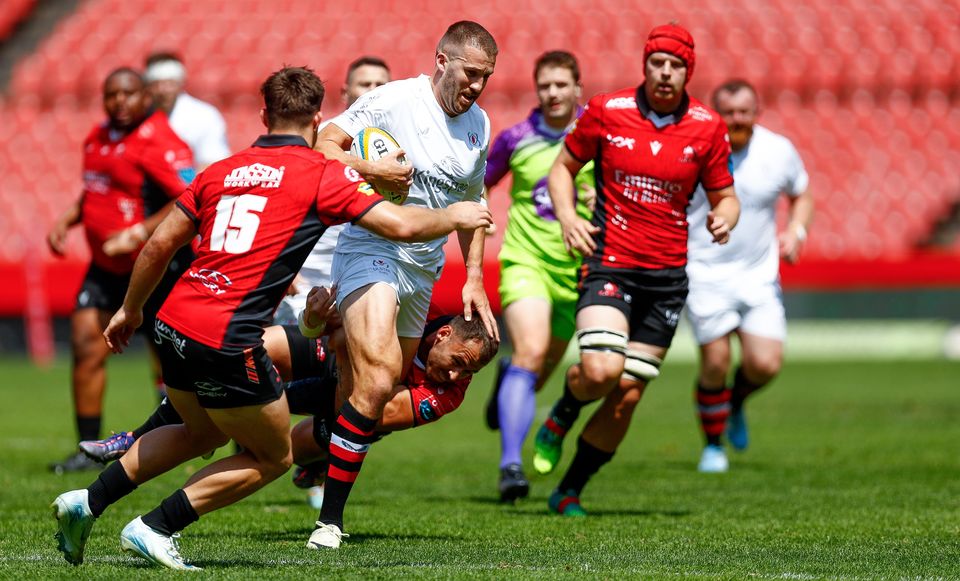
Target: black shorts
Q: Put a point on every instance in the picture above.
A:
(102, 290)
(220, 378)
(650, 299)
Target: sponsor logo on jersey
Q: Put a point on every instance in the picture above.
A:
(610, 290)
(254, 175)
(214, 280)
(96, 182)
(427, 413)
(645, 189)
(673, 317)
(352, 174)
(366, 189)
(700, 113)
(621, 103)
(620, 141)
(162, 331)
(442, 176)
(655, 147)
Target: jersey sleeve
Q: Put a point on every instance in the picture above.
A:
(583, 139)
(717, 173)
(498, 160)
(343, 196)
(431, 402)
(169, 164)
(797, 178)
(189, 201)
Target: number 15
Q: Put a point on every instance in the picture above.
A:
(236, 223)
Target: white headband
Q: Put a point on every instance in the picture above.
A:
(168, 70)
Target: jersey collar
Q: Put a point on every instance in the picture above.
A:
(658, 120)
(279, 140)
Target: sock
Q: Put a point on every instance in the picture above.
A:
(88, 427)
(173, 515)
(585, 464)
(350, 440)
(565, 412)
(110, 486)
(516, 404)
(742, 388)
(164, 415)
(713, 406)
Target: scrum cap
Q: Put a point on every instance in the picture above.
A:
(674, 39)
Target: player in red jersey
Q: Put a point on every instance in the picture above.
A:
(258, 214)
(133, 166)
(651, 145)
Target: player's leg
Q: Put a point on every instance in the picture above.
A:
(762, 335)
(602, 339)
(528, 324)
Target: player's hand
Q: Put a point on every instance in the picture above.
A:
(57, 239)
(469, 215)
(790, 245)
(121, 328)
(126, 240)
(718, 228)
(321, 309)
(390, 173)
(475, 302)
(578, 236)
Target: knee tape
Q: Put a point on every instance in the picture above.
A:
(641, 366)
(600, 339)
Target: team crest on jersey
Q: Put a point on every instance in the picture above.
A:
(621, 103)
(700, 113)
(254, 175)
(474, 139)
(380, 265)
(689, 155)
(610, 290)
(214, 280)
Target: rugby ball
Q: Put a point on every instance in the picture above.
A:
(371, 144)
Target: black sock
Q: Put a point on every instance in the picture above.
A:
(164, 415)
(88, 427)
(110, 486)
(567, 409)
(355, 432)
(173, 515)
(742, 388)
(585, 464)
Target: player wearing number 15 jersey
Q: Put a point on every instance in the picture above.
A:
(258, 214)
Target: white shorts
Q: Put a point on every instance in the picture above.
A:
(414, 286)
(715, 309)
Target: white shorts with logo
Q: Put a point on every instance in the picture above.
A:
(715, 308)
(414, 286)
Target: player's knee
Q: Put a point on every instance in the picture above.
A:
(641, 367)
(762, 369)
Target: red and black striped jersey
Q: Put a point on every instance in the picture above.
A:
(647, 167)
(127, 177)
(258, 214)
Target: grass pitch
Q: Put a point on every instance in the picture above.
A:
(852, 473)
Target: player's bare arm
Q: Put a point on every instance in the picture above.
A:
(794, 235)
(386, 174)
(577, 232)
(474, 294)
(416, 224)
(132, 237)
(57, 238)
(175, 231)
(724, 214)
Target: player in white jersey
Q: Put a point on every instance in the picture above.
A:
(735, 288)
(384, 288)
(197, 122)
(363, 75)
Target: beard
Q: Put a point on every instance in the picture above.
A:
(740, 136)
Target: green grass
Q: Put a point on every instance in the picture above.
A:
(853, 473)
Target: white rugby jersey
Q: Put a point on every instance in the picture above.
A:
(201, 125)
(767, 167)
(449, 157)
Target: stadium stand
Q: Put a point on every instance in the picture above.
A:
(13, 13)
(866, 90)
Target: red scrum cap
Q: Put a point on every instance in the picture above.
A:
(673, 39)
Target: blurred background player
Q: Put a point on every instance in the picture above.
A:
(652, 145)
(364, 74)
(133, 165)
(197, 122)
(735, 288)
(383, 287)
(538, 277)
